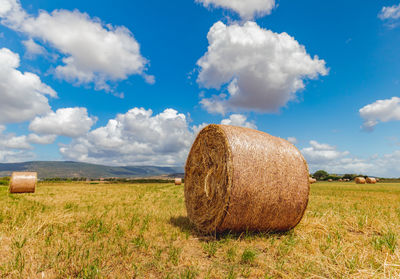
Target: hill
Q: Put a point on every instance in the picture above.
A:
(51, 169)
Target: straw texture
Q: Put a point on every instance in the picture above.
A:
(360, 180)
(23, 182)
(371, 180)
(178, 181)
(241, 179)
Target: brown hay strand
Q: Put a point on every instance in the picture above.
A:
(241, 179)
(360, 180)
(23, 182)
(178, 181)
(371, 180)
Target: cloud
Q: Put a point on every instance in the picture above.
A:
(258, 69)
(319, 153)
(10, 141)
(247, 10)
(22, 95)
(380, 111)
(94, 52)
(135, 138)
(197, 128)
(11, 12)
(33, 48)
(69, 122)
(392, 12)
(14, 156)
(238, 120)
(329, 158)
(14, 148)
(47, 139)
(292, 140)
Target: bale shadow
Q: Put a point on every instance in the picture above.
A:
(184, 224)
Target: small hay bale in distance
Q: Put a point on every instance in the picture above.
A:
(312, 180)
(360, 180)
(178, 181)
(23, 182)
(330, 180)
(239, 179)
(370, 180)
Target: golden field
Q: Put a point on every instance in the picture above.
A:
(79, 230)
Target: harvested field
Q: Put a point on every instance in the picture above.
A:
(141, 231)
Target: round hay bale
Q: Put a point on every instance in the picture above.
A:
(377, 179)
(340, 180)
(330, 180)
(312, 180)
(371, 180)
(23, 182)
(241, 179)
(178, 181)
(360, 180)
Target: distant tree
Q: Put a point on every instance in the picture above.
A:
(333, 177)
(349, 176)
(320, 175)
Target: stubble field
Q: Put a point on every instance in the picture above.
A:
(71, 230)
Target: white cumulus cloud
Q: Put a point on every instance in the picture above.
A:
(69, 122)
(22, 95)
(248, 9)
(38, 139)
(380, 111)
(319, 153)
(14, 148)
(94, 52)
(10, 141)
(329, 158)
(260, 70)
(135, 138)
(392, 12)
(33, 48)
(238, 120)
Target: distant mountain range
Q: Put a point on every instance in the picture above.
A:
(52, 169)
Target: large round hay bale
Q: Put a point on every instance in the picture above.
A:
(241, 179)
(371, 180)
(23, 182)
(178, 181)
(360, 180)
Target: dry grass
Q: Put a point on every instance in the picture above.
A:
(141, 231)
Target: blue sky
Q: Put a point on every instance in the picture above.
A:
(324, 75)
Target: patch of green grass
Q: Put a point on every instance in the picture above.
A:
(248, 256)
(388, 240)
(210, 248)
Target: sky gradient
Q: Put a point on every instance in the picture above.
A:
(132, 83)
